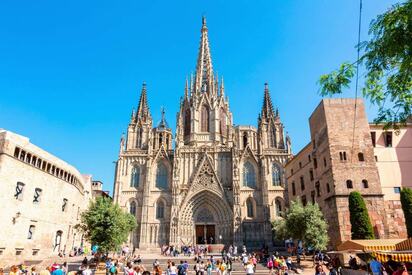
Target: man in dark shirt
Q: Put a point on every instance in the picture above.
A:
(391, 265)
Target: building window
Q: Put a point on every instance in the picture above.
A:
(300, 164)
(19, 191)
(302, 183)
(205, 119)
(16, 152)
(342, 156)
(245, 140)
(312, 196)
(388, 139)
(187, 122)
(365, 184)
(361, 157)
(324, 162)
(376, 158)
(317, 186)
(349, 184)
(58, 240)
(291, 171)
(134, 182)
(276, 178)
(293, 189)
(397, 190)
(160, 210)
(315, 163)
(249, 176)
(133, 208)
(161, 176)
(327, 187)
(278, 207)
(223, 122)
(64, 205)
(311, 174)
(304, 202)
(373, 137)
(30, 234)
(309, 158)
(249, 207)
(37, 194)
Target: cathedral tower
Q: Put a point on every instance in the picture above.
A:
(221, 184)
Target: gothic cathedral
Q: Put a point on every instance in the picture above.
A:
(220, 184)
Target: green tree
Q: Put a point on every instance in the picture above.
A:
(106, 224)
(406, 200)
(304, 223)
(387, 61)
(359, 218)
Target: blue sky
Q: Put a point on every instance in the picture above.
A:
(71, 71)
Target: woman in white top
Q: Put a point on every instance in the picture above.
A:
(250, 268)
(172, 269)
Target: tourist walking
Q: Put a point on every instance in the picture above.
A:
(249, 268)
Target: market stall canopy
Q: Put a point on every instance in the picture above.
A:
(405, 245)
(401, 256)
(370, 245)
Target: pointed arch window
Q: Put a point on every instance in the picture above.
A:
(222, 122)
(187, 123)
(135, 179)
(245, 140)
(249, 175)
(205, 119)
(160, 210)
(278, 208)
(161, 176)
(249, 208)
(133, 208)
(276, 175)
(273, 137)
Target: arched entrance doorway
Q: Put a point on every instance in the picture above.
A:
(205, 218)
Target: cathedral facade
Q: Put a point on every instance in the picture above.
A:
(210, 181)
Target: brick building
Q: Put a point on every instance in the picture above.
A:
(339, 159)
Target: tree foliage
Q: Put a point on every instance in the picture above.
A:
(359, 218)
(106, 224)
(406, 200)
(304, 223)
(387, 60)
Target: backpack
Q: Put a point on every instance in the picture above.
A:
(269, 264)
(112, 270)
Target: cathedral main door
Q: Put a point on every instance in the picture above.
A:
(205, 234)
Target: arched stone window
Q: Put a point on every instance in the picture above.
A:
(249, 175)
(276, 175)
(187, 123)
(365, 184)
(245, 140)
(273, 138)
(278, 208)
(161, 176)
(250, 212)
(222, 122)
(133, 208)
(160, 210)
(135, 177)
(204, 119)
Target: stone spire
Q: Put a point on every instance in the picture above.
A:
(267, 108)
(204, 70)
(186, 90)
(143, 112)
(163, 123)
(222, 88)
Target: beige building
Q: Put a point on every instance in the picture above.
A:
(42, 198)
(341, 158)
(220, 183)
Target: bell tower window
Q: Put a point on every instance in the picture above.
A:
(205, 127)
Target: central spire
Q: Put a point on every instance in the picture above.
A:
(204, 70)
